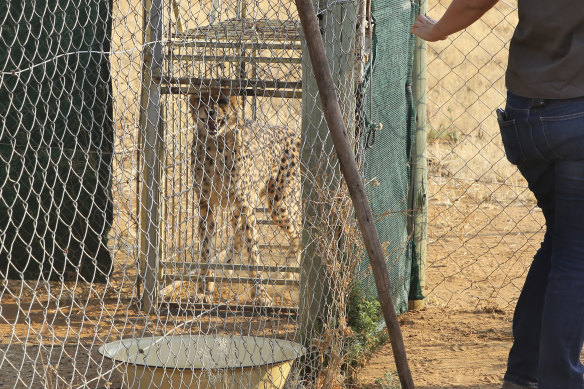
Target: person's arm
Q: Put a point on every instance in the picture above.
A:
(459, 15)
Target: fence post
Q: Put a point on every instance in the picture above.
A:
(419, 186)
(151, 146)
(337, 26)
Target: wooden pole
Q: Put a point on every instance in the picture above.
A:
(334, 119)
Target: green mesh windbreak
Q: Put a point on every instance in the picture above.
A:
(387, 154)
(56, 139)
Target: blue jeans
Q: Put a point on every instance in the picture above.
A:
(545, 139)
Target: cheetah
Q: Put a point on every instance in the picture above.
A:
(231, 160)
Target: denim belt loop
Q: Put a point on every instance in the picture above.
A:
(538, 103)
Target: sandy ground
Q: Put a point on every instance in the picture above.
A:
(462, 337)
(448, 349)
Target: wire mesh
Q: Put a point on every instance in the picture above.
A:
(484, 225)
(169, 196)
(100, 199)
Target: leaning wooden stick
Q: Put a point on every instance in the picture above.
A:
(334, 119)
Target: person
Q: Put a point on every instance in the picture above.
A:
(542, 129)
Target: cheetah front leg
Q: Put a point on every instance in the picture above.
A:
(245, 226)
(206, 286)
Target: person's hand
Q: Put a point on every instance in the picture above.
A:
(425, 27)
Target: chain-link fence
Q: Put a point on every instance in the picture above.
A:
(172, 212)
(484, 226)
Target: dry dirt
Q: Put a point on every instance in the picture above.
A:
(448, 349)
(462, 337)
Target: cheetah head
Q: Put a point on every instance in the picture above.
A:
(215, 113)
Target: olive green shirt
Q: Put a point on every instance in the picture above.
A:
(546, 54)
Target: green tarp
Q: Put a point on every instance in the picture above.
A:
(387, 160)
(56, 139)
